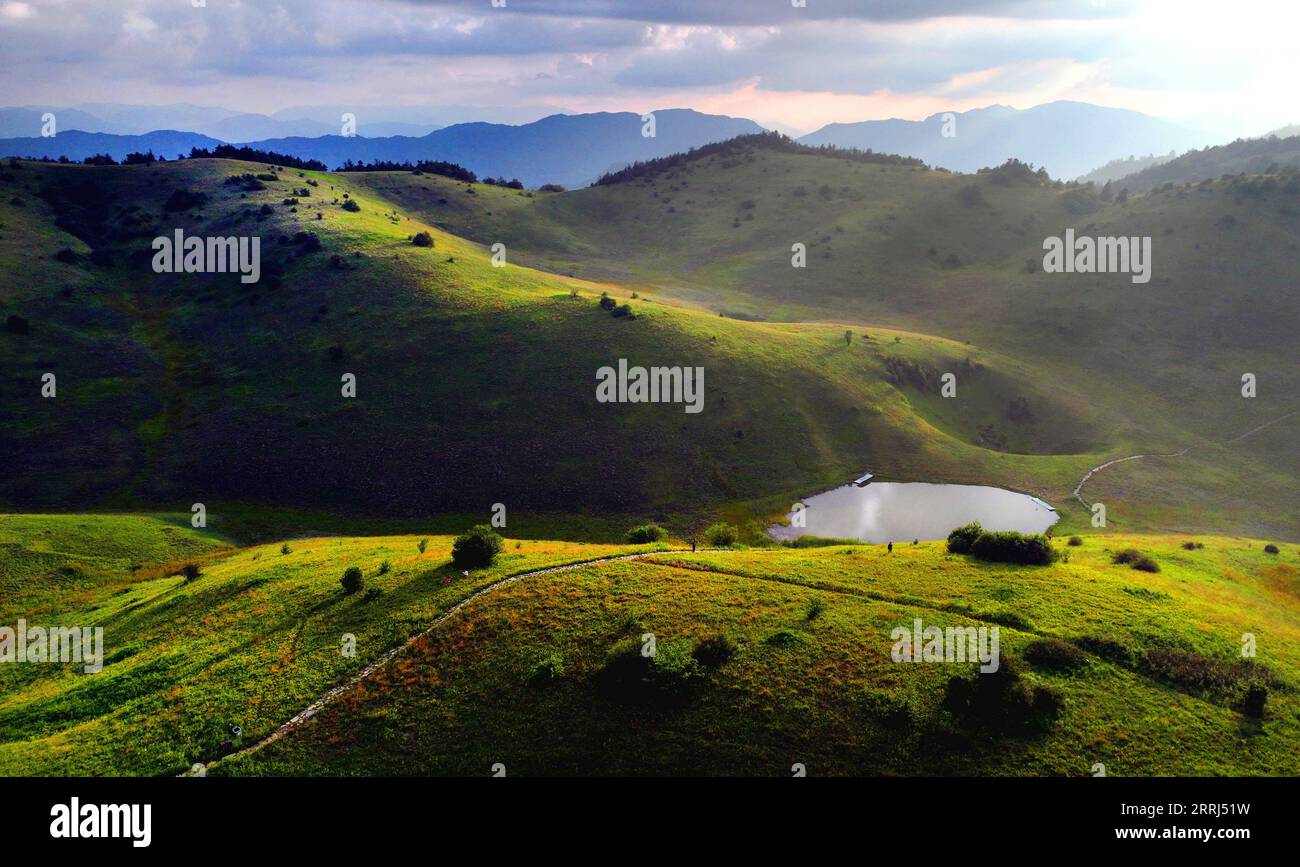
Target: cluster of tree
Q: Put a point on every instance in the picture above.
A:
(253, 155)
(430, 167)
(766, 140)
(1244, 156)
(1014, 170)
(514, 184)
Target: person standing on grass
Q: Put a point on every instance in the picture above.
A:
(890, 546)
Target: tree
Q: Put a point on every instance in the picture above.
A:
(476, 548)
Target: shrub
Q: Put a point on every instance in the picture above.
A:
(350, 205)
(476, 548)
(646, 533)
(1012, 547)
(622, 310)
(1127, 556)
(892, 712)
(1075, 542)
(285, 549)
(629, 675)
(607, 303)
(191, 571)
(384, 567)
(814, 608)
(547, 669)
(1256, 698)
(1052, 654)
(422, 544)
(422, 239)
(351, 580)
(961, 539)
(1193, 546)
(721, 535)
(1000, 701)
(1270, 548)
(714, 650)
(184, 200)
(1146, 564)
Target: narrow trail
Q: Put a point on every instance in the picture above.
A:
(1078, 489)
(334, 694)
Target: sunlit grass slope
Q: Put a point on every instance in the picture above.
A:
(249, 643)
(475, 383)
(960, 256)
(516, 678)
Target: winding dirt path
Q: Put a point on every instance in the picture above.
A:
(334, 694)
(1078, 489)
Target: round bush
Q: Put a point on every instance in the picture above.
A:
(646, 533)
(476, 548)
(351, 580)
(422, 239)
(722, 535)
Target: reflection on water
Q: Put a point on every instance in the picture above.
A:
(903, 511)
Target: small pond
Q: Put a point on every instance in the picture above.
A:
(899, 512)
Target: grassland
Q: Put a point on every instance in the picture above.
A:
(475, 383)
(258, 636)
(903, 247)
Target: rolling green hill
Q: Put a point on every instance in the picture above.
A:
(475, 384)
(534, 673)
(960, 255)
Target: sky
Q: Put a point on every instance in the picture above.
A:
(1230, 67)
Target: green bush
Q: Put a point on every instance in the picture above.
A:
(476, 548)
(547, 669)
(721, 535)
(646, 533)
(422, 239)
(1270, 548)
(1127, 557)
(814, 608)
(631, 676)
(961, 539)
(1052, 654)
(351, 580)
(1075, 542)
(1005, 546)
(714, 651)
(350, 205)
(191, 571)
(1146, 564)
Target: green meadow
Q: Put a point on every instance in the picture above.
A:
(475, 371)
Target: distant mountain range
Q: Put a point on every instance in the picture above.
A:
(220, 123)
(1067, 138)
(566, 149)
(1070, 139)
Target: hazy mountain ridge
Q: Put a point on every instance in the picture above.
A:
(566, 149)
(1067, 138)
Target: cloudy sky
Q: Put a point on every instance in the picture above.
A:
(1228, 66)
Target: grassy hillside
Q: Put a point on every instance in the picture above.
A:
(522, 675)
(960, 255)
(250, 642)
(475, 384)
